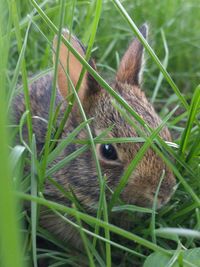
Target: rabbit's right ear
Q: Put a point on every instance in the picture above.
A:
(130, 68)
(70, 64)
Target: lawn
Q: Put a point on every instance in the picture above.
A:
(165, 237)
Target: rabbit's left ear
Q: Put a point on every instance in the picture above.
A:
(69, 64)
(130, 67)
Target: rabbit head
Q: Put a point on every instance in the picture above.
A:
(114, 158)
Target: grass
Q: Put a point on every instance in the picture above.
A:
(9, 227)
(171, 79)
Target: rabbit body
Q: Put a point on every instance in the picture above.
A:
(80, 174)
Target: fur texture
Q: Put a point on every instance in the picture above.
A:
(80, 175)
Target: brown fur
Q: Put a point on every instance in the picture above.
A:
(80, 174)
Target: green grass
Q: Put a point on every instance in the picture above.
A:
(106, 28)
(9, 226)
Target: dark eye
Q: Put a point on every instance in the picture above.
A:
(108, 152)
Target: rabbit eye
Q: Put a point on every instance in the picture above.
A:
(108, 151)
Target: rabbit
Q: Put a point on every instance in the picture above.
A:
(80, 174)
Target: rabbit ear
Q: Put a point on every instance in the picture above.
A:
(131, 64)
(70, 64)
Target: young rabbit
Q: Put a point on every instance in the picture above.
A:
(80, 174)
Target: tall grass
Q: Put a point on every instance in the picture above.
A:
(106, 27)
(9, 227)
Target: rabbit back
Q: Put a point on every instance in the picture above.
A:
(40, 96)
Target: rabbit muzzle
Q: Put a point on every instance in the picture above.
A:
(144, 191)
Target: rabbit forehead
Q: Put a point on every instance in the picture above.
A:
(106, 115)
(136, 98)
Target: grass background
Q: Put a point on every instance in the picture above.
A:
(174, 36)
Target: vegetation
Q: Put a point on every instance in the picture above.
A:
(26, 32)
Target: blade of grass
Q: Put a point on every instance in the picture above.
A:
(165, 63)
(111, 140)
(153, 216)
(131, 208)
(70, 99)
(34, 207)
(178, 232)
(15, 17)
(21, 124)
(17, 70)
(175, 256)
(194, 108)
(190, 240)
(53, 97)
(194, 151)
(10, 245)
(85, 242)
(15, 156)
